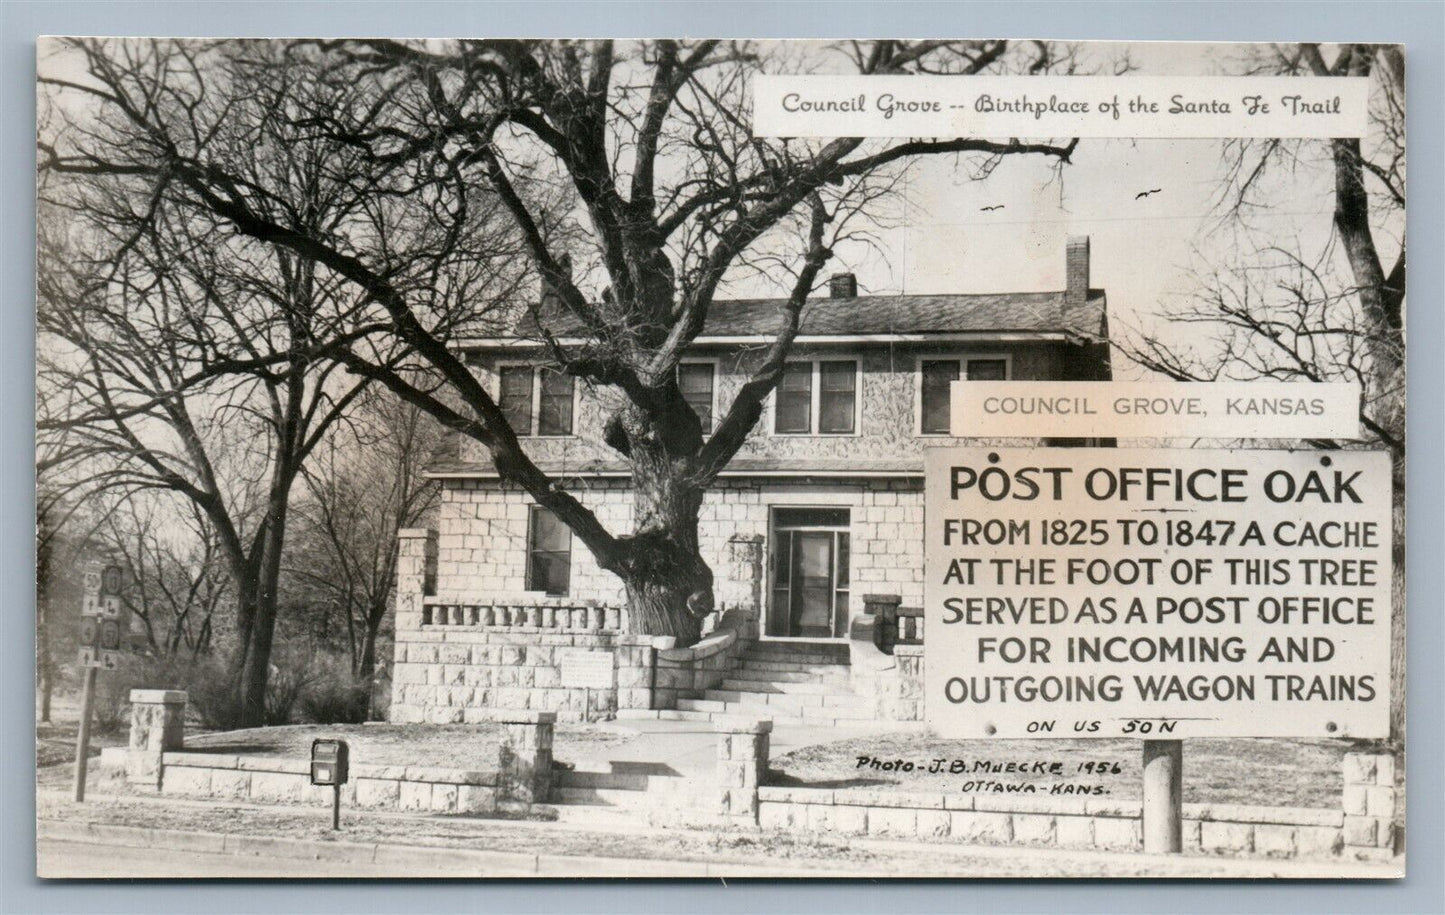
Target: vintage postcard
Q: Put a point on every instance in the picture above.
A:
(719, 458)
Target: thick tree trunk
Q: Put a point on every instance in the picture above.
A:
(668, 584)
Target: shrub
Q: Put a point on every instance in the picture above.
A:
(334, 695)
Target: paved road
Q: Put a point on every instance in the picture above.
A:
(75, 859)
(86, 860)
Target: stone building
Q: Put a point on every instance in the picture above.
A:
(822, 506)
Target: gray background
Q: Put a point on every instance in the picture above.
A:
(1421, 25)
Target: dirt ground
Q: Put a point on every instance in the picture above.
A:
(456, 746)
(1262, 771)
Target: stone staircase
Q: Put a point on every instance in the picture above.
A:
(793, 683)
(623, 793)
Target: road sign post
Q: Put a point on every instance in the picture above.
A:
(100, 637)
(82, 740)
(1163, 797)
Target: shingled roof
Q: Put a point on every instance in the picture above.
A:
(871, 315)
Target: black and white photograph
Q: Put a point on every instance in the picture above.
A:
(718, 458)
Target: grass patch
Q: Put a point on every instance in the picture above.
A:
(1259, 771)
(454, 746)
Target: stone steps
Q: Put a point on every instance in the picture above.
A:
(793, 657)
(815, 675)
(786, 700)
(599, 797)
(792, 687)
(746, 663)
(818, 717)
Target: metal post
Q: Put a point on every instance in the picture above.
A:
(336, 807)
(1163, 796)
(82, 740)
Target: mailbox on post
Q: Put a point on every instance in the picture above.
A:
(331, 765)
(329, 762)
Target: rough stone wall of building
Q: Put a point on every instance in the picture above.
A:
(888, 391)
(483, 536)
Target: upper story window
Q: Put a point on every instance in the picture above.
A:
(817, 398)
(536, 400)
(697, 381)
(935, 376)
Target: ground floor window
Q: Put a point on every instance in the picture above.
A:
(549, 553)
(808, 563)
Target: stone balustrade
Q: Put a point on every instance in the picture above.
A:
(539, 613)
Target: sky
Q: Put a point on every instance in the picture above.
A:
(1146, 252)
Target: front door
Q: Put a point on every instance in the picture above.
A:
(812, 580)
(809, 565)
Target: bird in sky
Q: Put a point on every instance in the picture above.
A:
(1147, 193)
(996, 206)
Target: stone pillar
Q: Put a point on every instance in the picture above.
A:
(524, 757)
(1369, 800)
(157, 725)
(884, 610)
(742, 761)
(742, 584)
(416, 575)
(636, 660)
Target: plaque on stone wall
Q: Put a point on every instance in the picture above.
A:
(582, 669)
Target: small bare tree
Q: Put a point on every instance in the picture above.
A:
(175, 571)
(207, 362)
(363, 487)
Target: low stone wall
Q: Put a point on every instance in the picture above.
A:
(1048, 821)
(517, 770)
(265, 780)
(1363, 828)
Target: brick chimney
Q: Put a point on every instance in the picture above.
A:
(1076, 271)
(549, 292)
(842, 286)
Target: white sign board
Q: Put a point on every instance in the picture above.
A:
(1102, 592)
(853, 105)
(580, 669)
(1155, 409)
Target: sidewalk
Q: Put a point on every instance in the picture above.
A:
(253, 842)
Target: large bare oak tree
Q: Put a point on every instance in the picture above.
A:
(674, 197)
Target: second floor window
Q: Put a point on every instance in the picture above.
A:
(535, 400)
(817, 398)
(696, 381)
(934, 393)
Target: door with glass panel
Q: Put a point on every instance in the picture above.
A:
(808, 563)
